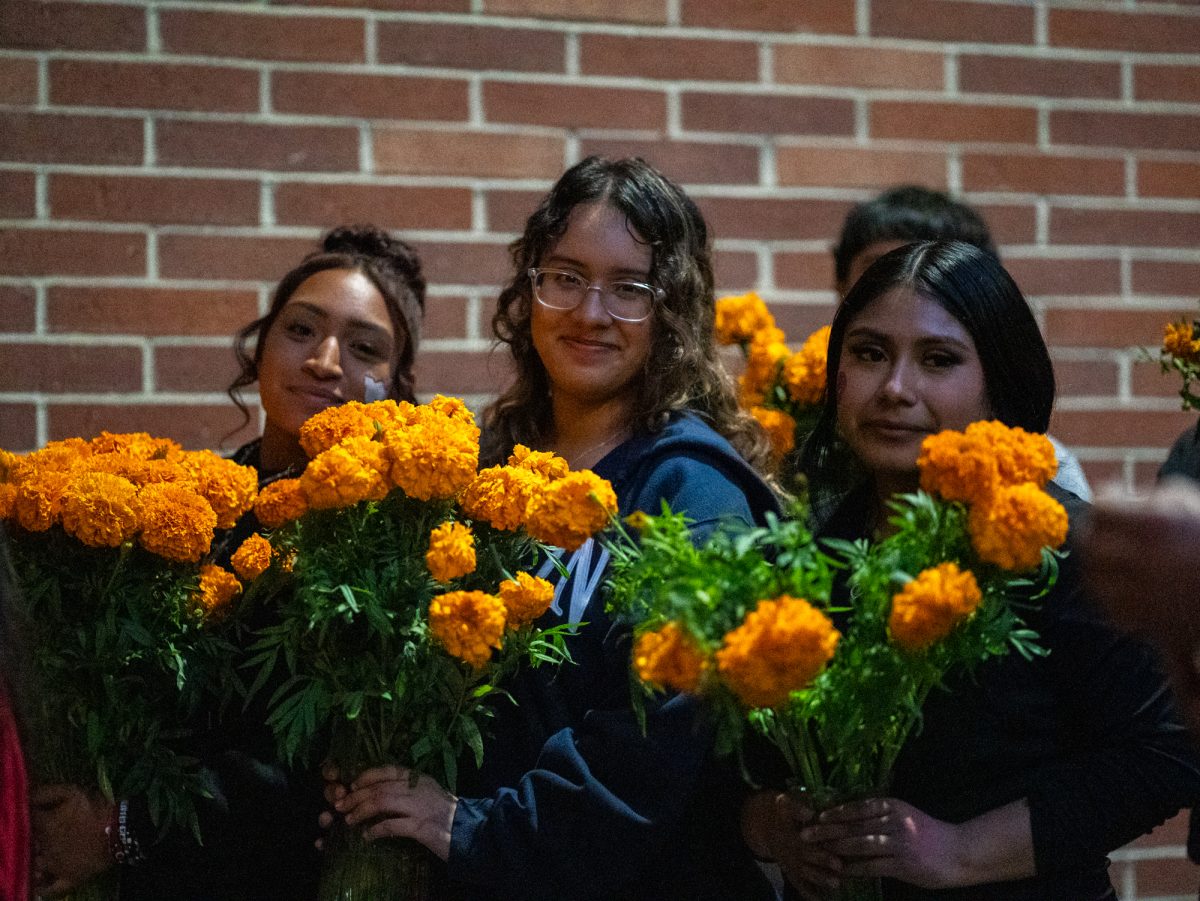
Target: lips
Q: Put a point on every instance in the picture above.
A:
(317, 397)
(587, 346)
(899, 430)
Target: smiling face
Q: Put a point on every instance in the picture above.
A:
(591, 358)
(908, 369)
(331, 335)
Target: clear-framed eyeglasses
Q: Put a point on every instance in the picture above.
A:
(560, 289)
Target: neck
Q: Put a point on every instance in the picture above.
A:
(279, 450)
(886, 487)
(585, 433)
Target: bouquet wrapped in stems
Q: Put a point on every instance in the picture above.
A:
(108, 540)
(1180, 352)
(404, 590)
(781, 389)
(750, 622)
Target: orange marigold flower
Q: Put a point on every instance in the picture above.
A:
(669, 658)
(347, 473)
(469, 624)
(569, 511)
(451, 551)
(100, 509)
(1012, 529)
(8, 465)
(452, 408)
(780, 429)
(929, 607)
(804, 371)
(8, 497)
(548, 465)
(740, 316)
(252, 558)
(780, 647)
(500, 496)
(229, 487)
(957, 468)
(38, 502)
(331, 426)
(217, 588)
(177, 523)
(525, 598)
(767, 350)
(280, 502)
(436, 456)
(1021, 456)
(141, 445)
(1182, 340)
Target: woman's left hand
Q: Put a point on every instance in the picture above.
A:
(888, 837)
(393, 805)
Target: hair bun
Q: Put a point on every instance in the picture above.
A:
(372, 242)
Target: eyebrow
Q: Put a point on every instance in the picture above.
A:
(355, 323)
(623, 273)
(864, 331)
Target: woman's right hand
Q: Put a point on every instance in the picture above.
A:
(71, 846)
(772, 823)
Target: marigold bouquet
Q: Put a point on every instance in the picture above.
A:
(781, 389)
(1180, 352)
(747, 620)
(108, 541)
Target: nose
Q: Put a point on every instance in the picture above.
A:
(900, 386)
(592, 308)
(325, 362)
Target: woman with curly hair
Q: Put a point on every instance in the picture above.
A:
(1024, 776)
(608, 318)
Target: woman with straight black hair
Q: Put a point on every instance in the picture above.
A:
(1023, 776)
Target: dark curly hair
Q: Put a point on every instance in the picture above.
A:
(682, 370)
(391, 265)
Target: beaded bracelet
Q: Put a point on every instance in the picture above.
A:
(121, 843)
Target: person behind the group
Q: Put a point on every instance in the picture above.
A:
(14, 787)
(342, 325)
(608, 317)
(908, 213)
(1024, 776)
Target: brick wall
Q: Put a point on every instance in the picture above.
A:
(162, 163)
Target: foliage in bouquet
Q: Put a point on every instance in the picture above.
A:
(1180, 352)
(108, 541)
(781, 389)
(746, 620)
(402, 578)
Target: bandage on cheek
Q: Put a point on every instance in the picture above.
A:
(373, 390)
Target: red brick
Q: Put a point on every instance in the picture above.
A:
(766, 218)
(255, 36)
(1137, 31)
(1164, 178)
(194, 368)
(508, 210)
(149, 311)
(18, 81)
(447, 263)
(1043, 174)
(388, 206)
(1074, 327)
(368, 96)
(18, 198)
(45, 251)
(1085, 378)
(462, 372)
(193, 425)
(1151, 131)
(1141, 228)
(237, 145)
(651, 12)
(71, 26)
(79, 82)
(574, 106)
(799, 320)
(1100, 473)
(767, 114)
(803, 271)
(980, 74)
(953, 122)
(1179, 84)
(1145, 476)
(1010, 223)
(445, 6)
(1148, 380)
(827, 16)
(70, 367)
(858, 67)
(446, 317)
(473, 153)
(1118, 427)
(687, 162)
(1173, 832)
(668, 58)
(57, 138)
(942, 20)
(157, 201)
(1039, 277)
(1165, 277)
(858, 167)
(18, 427)
(473, 47)
(17, 309)
(734, 270)
(238, 258)
(1171, 876)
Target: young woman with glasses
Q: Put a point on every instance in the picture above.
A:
(609, 320)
